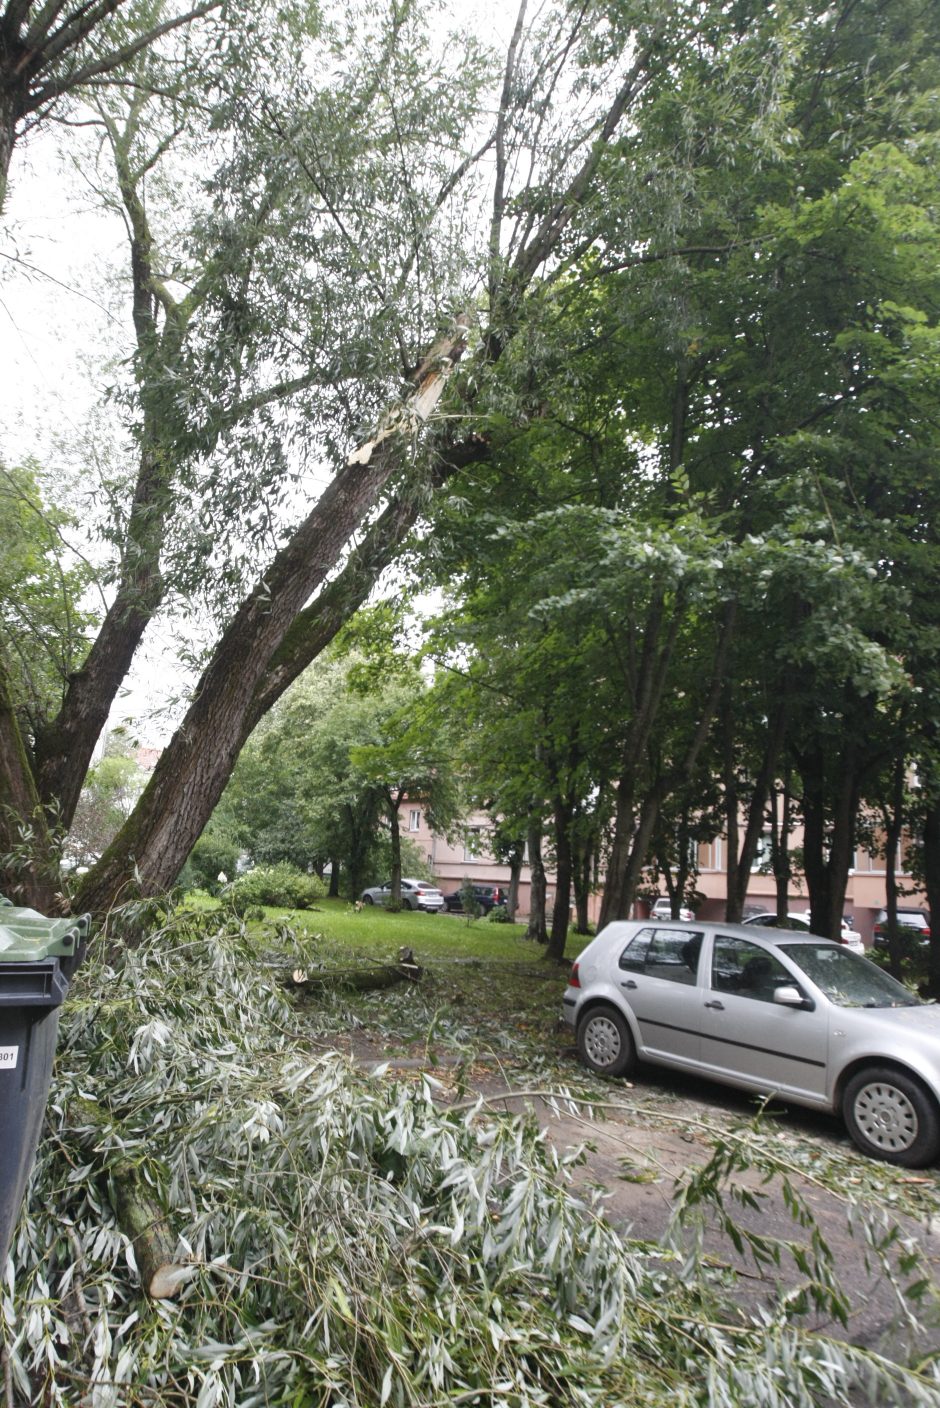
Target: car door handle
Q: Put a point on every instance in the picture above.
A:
(718, 1006)
(628, 984)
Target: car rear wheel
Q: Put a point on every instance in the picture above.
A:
(605, 1043)
(891, 1116)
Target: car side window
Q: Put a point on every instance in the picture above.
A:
(671, 954)
(634, 955)
(746, 970)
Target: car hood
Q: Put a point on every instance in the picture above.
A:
(896, 1021)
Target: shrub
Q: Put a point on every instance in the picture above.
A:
(499, 914)
(213, 853)
(280, 885)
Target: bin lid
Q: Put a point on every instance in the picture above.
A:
(29, 941)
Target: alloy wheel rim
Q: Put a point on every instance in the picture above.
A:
(602, 1041)
(886, 1117)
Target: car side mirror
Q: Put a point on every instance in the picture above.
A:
(790, 996)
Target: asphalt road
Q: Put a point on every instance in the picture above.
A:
(656, 1129)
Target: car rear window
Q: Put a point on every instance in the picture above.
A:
(671, 954)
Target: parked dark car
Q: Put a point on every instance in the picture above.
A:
(487, 897)
(913, 927)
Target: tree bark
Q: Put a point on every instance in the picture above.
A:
(28, 874)
(932, 886)
(739, 866)
(561, 910)
(538, 887)
(827, 878)
(393, 802)
(780, 847)
(894, 820)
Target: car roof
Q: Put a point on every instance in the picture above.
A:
(752, 932)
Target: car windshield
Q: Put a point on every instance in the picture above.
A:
(847, 979)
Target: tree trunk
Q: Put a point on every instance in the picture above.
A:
(894, 820)
(537, 929)
(583, 867)
(561, 911)
(333, 891)
(515, 870)
(374, 979)
(740, 866)
(194, 768)
(29, 874)
(393, 802)
(780, 848)
(7, 135)
(932, 886)
(642, 836)
(827, 878)
(622, 884)
(731, 806)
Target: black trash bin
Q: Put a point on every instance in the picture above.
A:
(37, 960)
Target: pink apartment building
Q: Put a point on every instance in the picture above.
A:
(470, 858)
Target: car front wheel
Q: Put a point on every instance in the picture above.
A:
(368, 899)
(605, 1043)
(891, 1116)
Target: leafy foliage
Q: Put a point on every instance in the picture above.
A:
(351, 1241)
(44, 617)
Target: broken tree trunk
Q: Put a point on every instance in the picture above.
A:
(139, 1214)
(372, 979)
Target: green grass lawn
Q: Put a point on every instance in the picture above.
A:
(485, 989)
(374, 933)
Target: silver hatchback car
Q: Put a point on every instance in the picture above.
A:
(768, 1010)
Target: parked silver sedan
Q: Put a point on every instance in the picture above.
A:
(772, 1011)
(415, 894)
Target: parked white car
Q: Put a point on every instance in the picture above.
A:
(662, 909)
(415, 894)
(847, 935)
(768, 1010)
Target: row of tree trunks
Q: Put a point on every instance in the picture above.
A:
(635, 822)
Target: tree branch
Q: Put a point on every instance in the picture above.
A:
(109, 62)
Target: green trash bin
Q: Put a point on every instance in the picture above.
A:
(38, 958)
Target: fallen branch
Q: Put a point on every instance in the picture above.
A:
(139, 1214)
(371, 979)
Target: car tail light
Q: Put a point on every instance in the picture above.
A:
(926, 933)
(574, 981)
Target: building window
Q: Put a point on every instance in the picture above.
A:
(414, 819)
(473, 843)
(763, 856)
